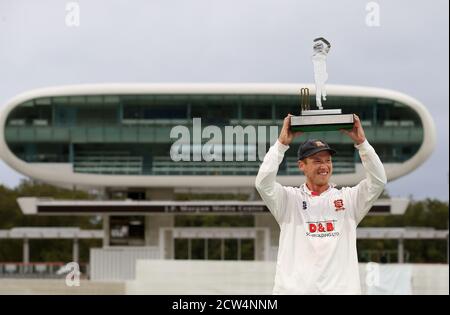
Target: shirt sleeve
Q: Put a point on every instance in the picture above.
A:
(369, 189)
(272, 193)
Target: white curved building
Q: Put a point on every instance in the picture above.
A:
(118, 135)
(146, 146)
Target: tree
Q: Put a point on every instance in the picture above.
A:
(42, 250)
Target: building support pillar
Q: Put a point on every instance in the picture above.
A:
(401, 251)
(26, 251)
(75, 251)
(106, 230)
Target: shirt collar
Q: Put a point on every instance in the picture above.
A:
(306, 190)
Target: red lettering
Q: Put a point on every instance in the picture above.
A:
(321, 228)
(330, 227)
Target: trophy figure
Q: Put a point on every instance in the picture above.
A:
(319, 59)
(320, 119)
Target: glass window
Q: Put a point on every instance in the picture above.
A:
(285, 104)
(96, 115)
(231, 249)
(256, 107)
(94, 99)
(79, 99)
(263, 111)
(132, 112)
(43, 101)
(65, 116)
(60, 100)
(214, 109)
(154, 107)
(247, 249)
(396, 112)
(363, 107)
(42, 152)
(35, 115)
(181, 248)
(198, 248)
(111, 99)
(164, 111)
(214, 249)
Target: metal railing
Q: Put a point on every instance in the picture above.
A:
(103, 162)
(37, 270)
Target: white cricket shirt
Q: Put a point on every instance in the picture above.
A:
(317, 246)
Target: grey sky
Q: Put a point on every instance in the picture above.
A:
(235, 41)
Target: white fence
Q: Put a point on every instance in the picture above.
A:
(202, 277)
(256, 277)
(417, 279)
(117, 263)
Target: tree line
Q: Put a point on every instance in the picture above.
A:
(429, 213)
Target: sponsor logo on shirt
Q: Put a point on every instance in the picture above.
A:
(304, 205)
(339, 205)
(322, 229)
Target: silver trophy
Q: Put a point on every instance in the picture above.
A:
(320, 119)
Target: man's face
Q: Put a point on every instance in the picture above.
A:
(317, 168)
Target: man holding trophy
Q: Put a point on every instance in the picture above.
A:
(317, 247)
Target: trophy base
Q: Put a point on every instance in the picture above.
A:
(312, 122)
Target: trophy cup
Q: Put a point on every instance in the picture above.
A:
(320, 119)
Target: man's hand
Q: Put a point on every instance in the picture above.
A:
(286, 135)
(357, 133)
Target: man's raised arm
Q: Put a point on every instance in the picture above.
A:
(272, 193)
(368, 190)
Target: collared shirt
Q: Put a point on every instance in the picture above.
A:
(317, 247)
(306, 190)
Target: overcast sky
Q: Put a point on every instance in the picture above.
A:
(235, 41)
